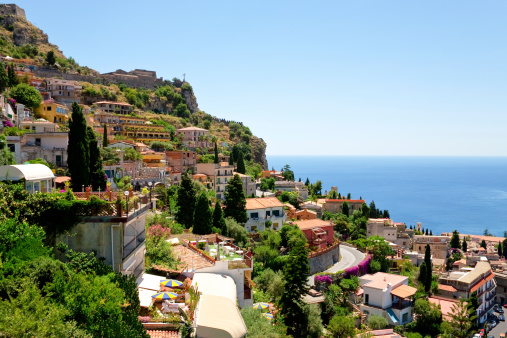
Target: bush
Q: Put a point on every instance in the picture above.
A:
(236, 231)
(377, 322)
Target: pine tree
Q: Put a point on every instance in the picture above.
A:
(12, 77)
(500, 249)
(235, 202)
(464, 246)
(50, 58)
(186, 202)
(455, 243)
(104, 137)
(291, 304)
(216, 153)
(202, 215)
(240, 166)
(4, 79)
(472, 306)
(97, 175)
(78, 150)
(429, 273)
(219, 220)
(461, 320)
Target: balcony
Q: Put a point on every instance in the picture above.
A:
(133, 243)
(403, 305)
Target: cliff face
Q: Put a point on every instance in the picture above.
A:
(191, 100)
(259, 151)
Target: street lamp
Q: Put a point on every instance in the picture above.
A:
(150, 185)
(126, 193)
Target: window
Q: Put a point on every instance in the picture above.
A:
(37, 142)
(276, 213)
(254, 215)
(366, 298)
(404, 318)
(12, 147)
(50, 108)
(268, 213)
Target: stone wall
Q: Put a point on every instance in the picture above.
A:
(324, 261)
(12, 9)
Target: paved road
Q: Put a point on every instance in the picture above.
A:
(500, 328)
(349, 257)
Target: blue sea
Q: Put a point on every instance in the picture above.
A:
(443, 193)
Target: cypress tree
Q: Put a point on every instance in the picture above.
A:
(426, 233)
(423, 271)
(219, 221)
(483, 244)
(104, 138)
(345, 208)
(504, 247)
(216, 153)
(429, 273)
(97, 174)
(455, 244)
(231, 159)
(240, 166)
(464, 246)
(4, 79)
(500, 249)
(235, 202)
(202, 215)
(186, 201)
(307, 183)
(78, 149)
(12, 77)
(431, 232)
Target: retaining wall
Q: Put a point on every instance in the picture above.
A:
(324, 261)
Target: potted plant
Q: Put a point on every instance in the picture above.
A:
(145, 193)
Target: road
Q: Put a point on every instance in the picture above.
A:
(500, 328)
(349, 257)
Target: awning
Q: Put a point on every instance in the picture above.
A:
(478, 285)
(62, 179)
(404, 291)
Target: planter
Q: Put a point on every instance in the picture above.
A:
(144, 199)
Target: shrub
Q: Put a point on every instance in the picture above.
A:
(377, 322)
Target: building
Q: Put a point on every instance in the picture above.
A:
(36, 177)
(50, 146)
(64, 91)
(388, 296)
(248, 184)
(299, 215)
(39, 126)
(222, 173)
(154, 160)
(182, 161)
(479, 279)
(319, 233)
(296, 186)
(114, 107)
(335, 205)
(383, 227)
(262, 210)
(14, 145)
(193, 137)
(53, 112)
(438, 245)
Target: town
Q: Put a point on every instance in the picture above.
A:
(127, 211)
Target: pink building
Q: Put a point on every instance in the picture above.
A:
(319, 233)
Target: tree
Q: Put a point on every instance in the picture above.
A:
(426, 233)
(50, 58)
(472, 306)
(345, 208)
(429, 318)
(287, 173)
(377, 322)
(240, 166)
(258, 326)
(25, 94)
(429, 266)
(6, 156)
(186, 202)
(4, 78)
(235, 202)
(231, 159)
(307, 183)
(267, 184)
(104, 137)
(295, 276)
(464, 245)
(97, 174)
(78, 149)
(317, 188)
(314, 327)
(202, 215)
(219, 220)
(461, 320)
(431, 232)
(236, 231)
(12, 77)
(216, 153)
(342, 326)
(500, 253)
(455, 242)
(504, 248)
(483, 244)
(423, 271)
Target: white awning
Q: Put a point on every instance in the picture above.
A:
(30, 172)
(218, 317)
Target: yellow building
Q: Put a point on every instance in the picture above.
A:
(154, 160)
(53, 112)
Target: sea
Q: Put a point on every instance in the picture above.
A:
(468, 194)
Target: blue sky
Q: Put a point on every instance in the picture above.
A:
(319, 77)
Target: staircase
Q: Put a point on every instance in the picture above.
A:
(358, 311)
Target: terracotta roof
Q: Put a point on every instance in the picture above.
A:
(262, 203)
(478, 285)
(446, 305)
(404, 291)
(312, 223)
(343, 200)
(62, 179)
(490, 277)
(162, 333)
(444, 287)
(190, 257)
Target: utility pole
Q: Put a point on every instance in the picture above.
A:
(184, 77)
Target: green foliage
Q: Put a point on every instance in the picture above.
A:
(235, 202)
(287, 173)
(240, 166)
(461, 322)
(97, 177)
(270, 283)
(267, 184)
(78, 149)
(292, 197)
(455, 242)
(50, 58)
(13, 78)
(429, 318)
(258, 326)
(464, 245)
(472, 306)
(186, 202)
(4, 79)
(345, 208)
(131, 154)
(216, 153)
(202, 215)
(104, 137)
(27, 95)
(161, 146)
(6, 156)
(314, 327)
(342, 326)
(429, 266)
(236, 231)
(377, 322)
(109, 156)
(219, 220)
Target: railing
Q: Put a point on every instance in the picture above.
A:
(321, 252)
(136, 240)
(491, 296)
(404, 304)
(139, 269)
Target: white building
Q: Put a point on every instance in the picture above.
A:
(261, 210)
(388, 296)
(38, 177)
(50, 146)
(383, 227)
(248, 184)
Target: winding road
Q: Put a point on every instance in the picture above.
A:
(349, 257)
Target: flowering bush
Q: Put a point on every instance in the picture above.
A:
(7, 123)
(159, 231)
(352, 271)
(323, 279)
(363, 266)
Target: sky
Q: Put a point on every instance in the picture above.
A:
(402, 78)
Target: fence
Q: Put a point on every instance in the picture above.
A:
(321, 252)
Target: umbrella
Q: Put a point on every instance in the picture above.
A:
(268, 315)
(165, 295)
(170, 283)
(261, 306)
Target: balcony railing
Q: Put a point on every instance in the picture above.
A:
(404, 304)
(133, 244)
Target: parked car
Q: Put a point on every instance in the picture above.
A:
(499, 310)
(492, 323)
(505, 305)
(501, 318)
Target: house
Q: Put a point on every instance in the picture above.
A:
(298, 187)
(154, 160)
(446, 306)
(14, 145)
(438, 245)
(114, 107)
(183, 161)
(270, 173)
(53, 112)
(295, 214)
(64, 91)
(319, 233)
(335, 205)
(39, 126)
(221, 172)
(36, 177)
(193, 137)
(388, 296)
(248, 184)
(50, 146)
(383, 227)
(262, 210)
(479, 279)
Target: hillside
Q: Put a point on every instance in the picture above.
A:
(171, 103)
